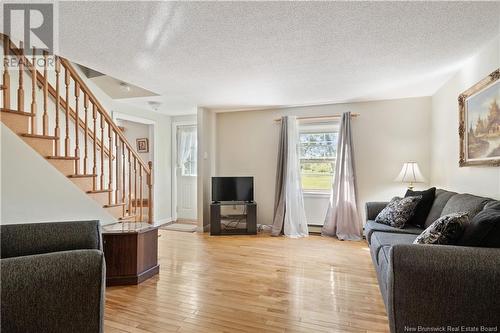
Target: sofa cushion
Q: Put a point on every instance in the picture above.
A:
(372, 226)
(469, 203)
(398, 212)
(423, 207)
(442, 197)
(482, 230)
(387, 239)
(446, 230)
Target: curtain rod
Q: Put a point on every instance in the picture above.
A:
(333, 116)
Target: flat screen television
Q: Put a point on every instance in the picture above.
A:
(232, 189)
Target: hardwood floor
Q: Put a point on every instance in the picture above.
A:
(252, 284)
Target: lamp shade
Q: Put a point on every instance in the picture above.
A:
(410, 173)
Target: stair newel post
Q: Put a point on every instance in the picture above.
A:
(66, 140)
(129, 183)
(117, 167)
(140, 193)
(33, 92)
(150, 194)
(102, 149)
(20, 89)
(57, 130)
(110, 164)
(6, 75)
(94, 168)
(45, 118)
(123, 175)
(86, 129)
(135, 186)
(77, 127)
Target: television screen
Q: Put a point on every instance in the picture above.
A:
(232, 188)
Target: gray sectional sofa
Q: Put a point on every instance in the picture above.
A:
(52, 277)
(435, 286)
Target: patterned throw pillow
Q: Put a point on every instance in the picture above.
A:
(398, 211)
(445, 230)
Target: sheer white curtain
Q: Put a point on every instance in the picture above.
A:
(342, 218)
(289, 214)
(185, 142)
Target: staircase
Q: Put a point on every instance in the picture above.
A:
(60, 118)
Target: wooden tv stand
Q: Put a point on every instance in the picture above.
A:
(250, 219)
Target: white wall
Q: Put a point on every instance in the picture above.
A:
(32, 190)
(134, 131)
(446, 173)
(386, 134)
(207, 129)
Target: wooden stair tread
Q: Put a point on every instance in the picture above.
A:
(67, 158)
(98, 191)
(114, 205)
(21, 113)
(39, 136)
(82, 176)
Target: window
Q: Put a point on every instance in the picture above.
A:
(318, 151)
(187, 150)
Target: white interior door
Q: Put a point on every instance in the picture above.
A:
(186, 172)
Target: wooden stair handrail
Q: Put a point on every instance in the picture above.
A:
(67, 65)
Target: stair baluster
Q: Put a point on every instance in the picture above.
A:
(20, 89)
(110, 165)
(150, 190)
(45, 118)
(66, 140)
(33, 93)
(86, 143)
(94, 150)
(6, 75)
(102, 149)
(77, 128)
(57, 130)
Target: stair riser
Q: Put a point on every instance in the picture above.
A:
(17, 123)
(101, 198)
(84, 184)
(115, 211)
(66, 167)
(43, 146)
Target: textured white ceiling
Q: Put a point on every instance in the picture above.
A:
(275, 53)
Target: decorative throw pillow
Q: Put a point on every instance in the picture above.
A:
(445, 230)
(398, 211)
(483, 230)
(423, 207)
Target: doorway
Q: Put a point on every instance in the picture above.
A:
(142, 135)
(185, 166)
